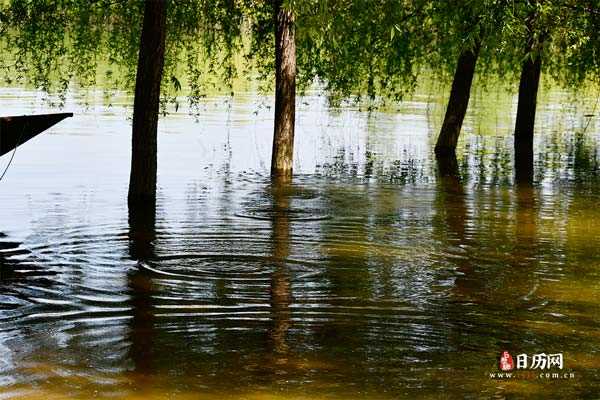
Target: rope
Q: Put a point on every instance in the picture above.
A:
(13, 153)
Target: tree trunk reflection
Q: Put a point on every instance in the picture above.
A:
(142, 233)
(281, 296)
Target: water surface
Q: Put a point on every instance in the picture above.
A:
(370, 276)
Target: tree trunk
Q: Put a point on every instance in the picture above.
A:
(528, 88)
(457, 104)
(447, 166)
(142, 182)
(285, 92)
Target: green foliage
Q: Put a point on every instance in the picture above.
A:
(364, 50)
(575, 47)
(51, 44)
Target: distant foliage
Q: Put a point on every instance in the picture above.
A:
(53, 44)
(363, 50)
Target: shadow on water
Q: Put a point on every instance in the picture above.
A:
(495, 264)
(7, 265)
(452, 209)
(280, 288)
(255, 357)
(142, 234)
(488, 254)
(14, 263)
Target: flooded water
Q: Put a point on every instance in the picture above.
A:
(371, 276)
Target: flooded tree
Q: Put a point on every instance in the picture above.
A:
(528, 89)
(282, 157)
(466, 31)
(142, 184)
(145, 47)
(458, 102)
(551, 34)
(360, 51)
(464, 27)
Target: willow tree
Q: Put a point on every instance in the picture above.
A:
(276, 53)
(364, 50)
(374, 51)
(142, 182)
(473, 33)
(136, 46)
(457, 29)
(535, 32)
(285, 91)
(546, 36)
(576, 46)
(528, 89)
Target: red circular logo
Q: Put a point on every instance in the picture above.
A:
(506, 362)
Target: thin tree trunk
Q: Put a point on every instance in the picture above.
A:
(528, 88)
(458, 103)
(142, 182)
(285, 92)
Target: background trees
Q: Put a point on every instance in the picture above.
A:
(366, 51)
(541, 37)
(459, 30)
(126, 45)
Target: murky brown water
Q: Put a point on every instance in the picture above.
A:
(370, 277)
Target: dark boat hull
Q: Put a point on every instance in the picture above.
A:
(14, 131)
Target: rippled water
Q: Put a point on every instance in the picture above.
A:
(371, 276)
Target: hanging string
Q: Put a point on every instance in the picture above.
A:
(13, 153)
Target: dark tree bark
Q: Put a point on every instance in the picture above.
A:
(458, 103)
(528, 88)
(447, 166)
(285, 92)
(142, 182)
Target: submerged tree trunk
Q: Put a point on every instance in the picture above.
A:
(285, 92)
(457, 104)
(447, 166)
(528, 88)
(142, 182)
